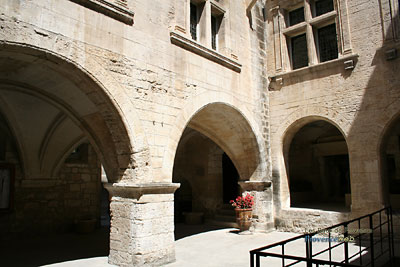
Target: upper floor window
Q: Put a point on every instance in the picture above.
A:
(193, 21)
(311, 33)
(327, 43)
(299, 51)
(205, 22)
(322, 7)
(296, 16)
(204, 30)
(216, 21)
(214, 32)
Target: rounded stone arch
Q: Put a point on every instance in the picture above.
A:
(46, 74)
(389, 118)
(385, 128)
(207, 104)
(283, 137)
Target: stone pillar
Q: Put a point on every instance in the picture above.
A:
(142, 224)
(263, 217)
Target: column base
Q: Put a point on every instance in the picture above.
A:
(142, 224)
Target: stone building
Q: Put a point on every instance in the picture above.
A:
(294, 101)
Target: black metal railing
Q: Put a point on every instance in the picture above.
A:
(370, 235)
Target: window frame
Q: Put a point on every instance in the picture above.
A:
(310, 26)
(197, 21)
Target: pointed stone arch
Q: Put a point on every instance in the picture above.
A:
(283, 135)
(204, 114)
(89, 98)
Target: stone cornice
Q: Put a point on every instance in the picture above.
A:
(255, 185)
(193, 46)
(277, 81)
(109, 9)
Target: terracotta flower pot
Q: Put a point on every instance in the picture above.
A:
(243, 218)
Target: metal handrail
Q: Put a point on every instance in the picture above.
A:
(309, 258)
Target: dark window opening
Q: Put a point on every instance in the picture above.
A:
(323, 6)
(296, 16)
(214, 31)
(299, 51)
(327, 43)
(79, 155)
(193, 21)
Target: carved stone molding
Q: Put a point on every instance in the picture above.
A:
(188, 44)
(255, 185)
(136, 191)
(115, 11)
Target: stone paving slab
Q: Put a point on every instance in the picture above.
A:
(212, 247)
(222, 248)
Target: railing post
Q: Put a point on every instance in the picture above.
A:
(391, 227)
(257, 260)
(346, 244)
(330, 245)
(283, 254)
(308, 252)
(390, 233)
(360, 241)
(251, 259)
(371, 237)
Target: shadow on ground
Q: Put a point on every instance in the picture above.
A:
(50, 249)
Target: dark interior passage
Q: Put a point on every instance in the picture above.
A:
(391, 165)
(230, 179)
(208, 178)
(319, 174)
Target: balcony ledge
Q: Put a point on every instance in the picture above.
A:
(109, 9)
(190, 45)
(277, 80)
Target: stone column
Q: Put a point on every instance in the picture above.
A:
(263, 217)
(142, 224)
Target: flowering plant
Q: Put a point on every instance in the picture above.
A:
(246, 202)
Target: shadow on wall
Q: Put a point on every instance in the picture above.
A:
(374, 132)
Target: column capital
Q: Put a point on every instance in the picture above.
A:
(135, 191)
(255, 185)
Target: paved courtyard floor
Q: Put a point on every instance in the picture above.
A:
(195, 246)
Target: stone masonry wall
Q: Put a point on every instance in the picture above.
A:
(54, 205)
(360, 102)
(161, 79)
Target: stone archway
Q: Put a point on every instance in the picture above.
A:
(389, 162)
(317, 165)
(212, 130)
(237, 109)
(282, 136)
(69, 98)
(51, 105)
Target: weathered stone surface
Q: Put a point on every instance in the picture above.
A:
(71, 74)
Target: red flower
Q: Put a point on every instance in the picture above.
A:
(245, 202)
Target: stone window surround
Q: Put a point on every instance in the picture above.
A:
(180, 35)
(347, 61)
(281, 32)
(390, 12)
(116, 9)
